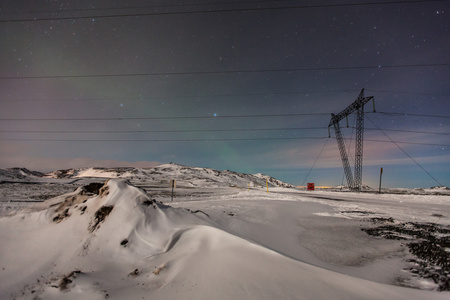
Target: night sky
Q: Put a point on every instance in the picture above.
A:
(247, 86)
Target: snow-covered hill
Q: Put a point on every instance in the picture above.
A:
(113, 242)
(19, 174)
(184, 175)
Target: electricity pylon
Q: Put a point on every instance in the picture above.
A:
(353, 183)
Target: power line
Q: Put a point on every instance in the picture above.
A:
(165, 140)
(206, 140)
(396, 144)
(402, 130)
(218, 3)
(143, 98)
(165, 118)
(408, 92)
(141, 7)
(410, 131)
(207, 130)
(209, 11)
(315, 161)
(413, 115)
(163, 131)
(223, 72)
(410, 143)
(215, 117)
(212, 96)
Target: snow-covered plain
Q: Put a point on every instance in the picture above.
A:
(222, 237)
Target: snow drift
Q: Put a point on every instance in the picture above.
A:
(113, 241)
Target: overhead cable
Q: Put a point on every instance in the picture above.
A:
(144, 98)
(396, 144)
(248, 71)
(408, 92)
(412, 115)
(210, 11)
(165, 140)
(220, 117)
(163, 131)
(207, 140)
(315, 161)
(165, 118)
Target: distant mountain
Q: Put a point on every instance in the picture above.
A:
(91, 172)
(184, 175)
(443, 188)
(18, 174)
(273, 181)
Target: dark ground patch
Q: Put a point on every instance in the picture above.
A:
(100, 217)
(328, 198)
(433, 260)
(150, 202)
(93, 187)
(381, 220)
(64, 283)
(61, 216)
(63, 210)
(428, 242)
(134, 273)
(361, 212)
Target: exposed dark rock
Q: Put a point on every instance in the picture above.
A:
(83, 209)
(61, 216)
(93, 188)
(100, 217)
(135, 273)
(67, 280)
(362, 212)
(63, 210)
(381, 220)
(199, 211)
(149, 202)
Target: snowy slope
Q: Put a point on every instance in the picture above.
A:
(114, 242)
(184, 175)
(14, 174)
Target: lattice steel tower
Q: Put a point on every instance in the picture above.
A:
(353, 183)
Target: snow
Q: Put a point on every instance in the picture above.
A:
(406, 208)
(18, 173)
(190, 176)
(219, 239)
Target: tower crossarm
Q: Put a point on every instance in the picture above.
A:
(360, 102)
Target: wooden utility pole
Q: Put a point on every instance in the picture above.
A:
(172, 183)
(381, 173)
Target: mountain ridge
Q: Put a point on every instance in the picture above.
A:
(184, 175)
